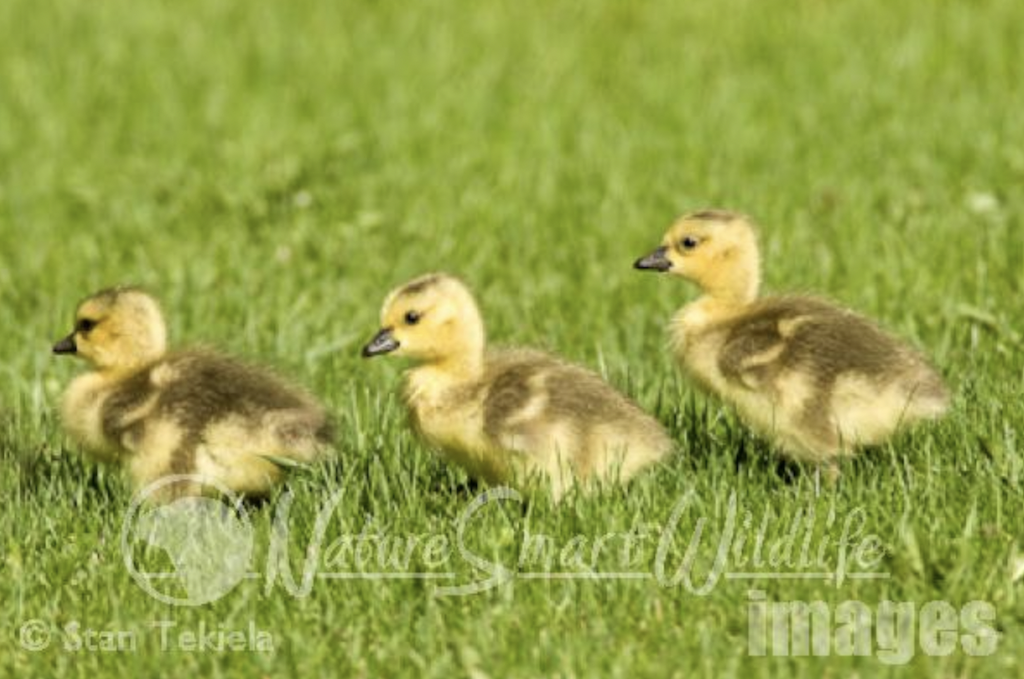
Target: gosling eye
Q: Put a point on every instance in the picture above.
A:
(85, 325)
(412, 317)
(689, 243)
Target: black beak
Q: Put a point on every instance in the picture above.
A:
(656, 261)
(382, 343)
(66, 345)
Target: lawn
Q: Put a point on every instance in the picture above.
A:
(271, 170)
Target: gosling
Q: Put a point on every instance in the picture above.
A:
(817, 379)
(190, 413)
(511, 416)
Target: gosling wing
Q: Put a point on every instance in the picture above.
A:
(807, 335)
(541, 406)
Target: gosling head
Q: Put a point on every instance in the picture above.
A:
(715, 249)
(432, 319)
(119, 328)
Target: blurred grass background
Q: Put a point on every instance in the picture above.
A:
(271, 170)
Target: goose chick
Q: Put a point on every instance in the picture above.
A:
(508, 415)
(180, 413)
(817, 379)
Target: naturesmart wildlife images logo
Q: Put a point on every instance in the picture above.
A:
(206, 541)
(195, 550)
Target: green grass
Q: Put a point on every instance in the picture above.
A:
(271, 170)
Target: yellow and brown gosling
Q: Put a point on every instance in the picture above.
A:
(508, 416)
(180, 413)
(817, 379)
